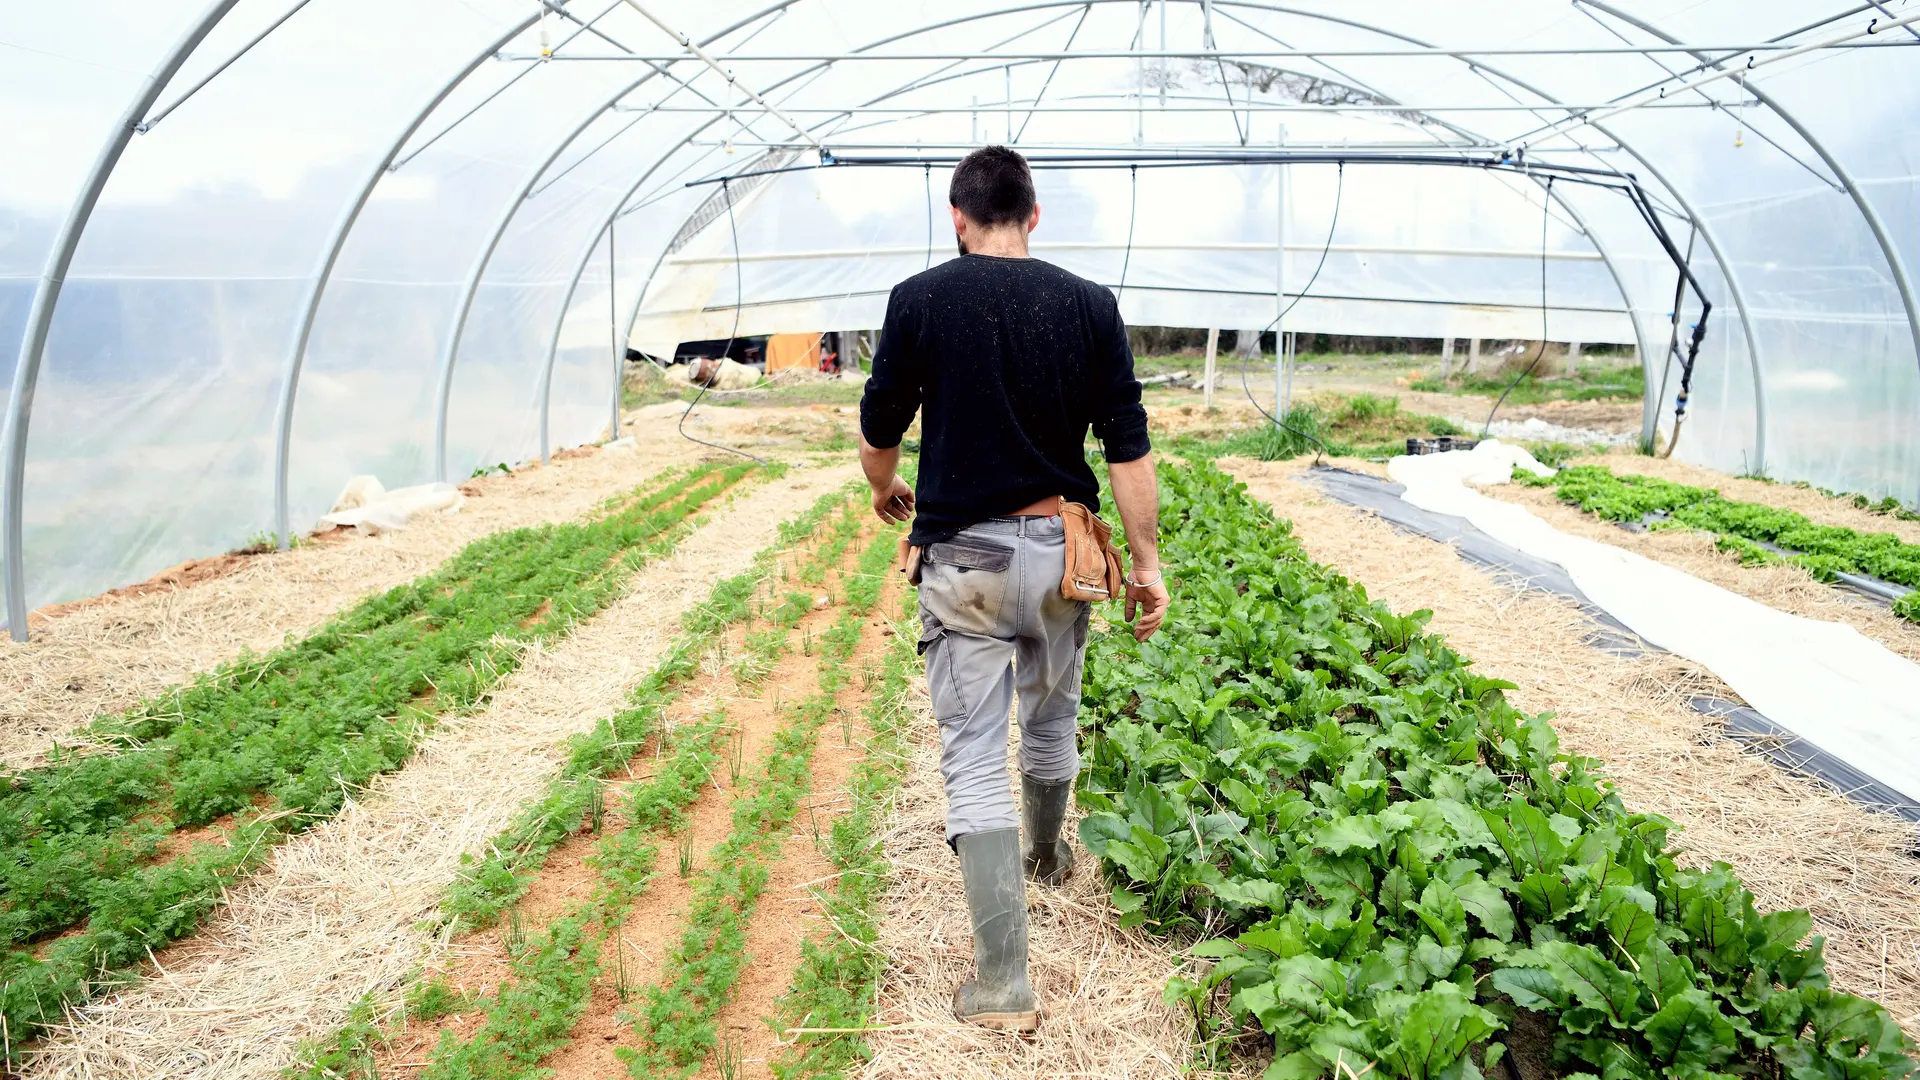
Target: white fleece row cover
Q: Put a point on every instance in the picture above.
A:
(1825, 682)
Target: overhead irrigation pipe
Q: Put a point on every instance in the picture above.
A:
(1754, 63)
(706, 58)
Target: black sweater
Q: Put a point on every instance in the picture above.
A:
(1013, 360)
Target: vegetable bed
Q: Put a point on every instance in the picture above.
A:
(118, 853)
(1396, 871)
(1741, 527)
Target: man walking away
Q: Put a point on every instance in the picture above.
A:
(1012, 360)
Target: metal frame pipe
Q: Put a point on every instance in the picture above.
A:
(316, 288)
(46, 295)
(545, 401)
(148, 124)
(451, 349)
(1713, 75)
(620, 210)
(1896, 264)
(1198, 245)
(1263, 54)
(1484, 71)
(497, 91)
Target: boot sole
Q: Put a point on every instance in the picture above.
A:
(1025, 1023)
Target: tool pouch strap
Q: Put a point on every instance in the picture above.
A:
(910, 561)
(1093, 567)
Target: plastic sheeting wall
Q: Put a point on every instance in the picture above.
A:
(152, 431)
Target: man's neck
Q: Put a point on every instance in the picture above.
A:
(1000, 243)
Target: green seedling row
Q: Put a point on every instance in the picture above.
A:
(676, 1021)
(1393, 870)
(834, 988)
(491, 884)
(1740, 527)
(552, 975)
(278, 741)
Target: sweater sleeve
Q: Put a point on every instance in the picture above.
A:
(898, 381)
(1119, 421)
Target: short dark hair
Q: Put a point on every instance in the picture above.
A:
(993, 186)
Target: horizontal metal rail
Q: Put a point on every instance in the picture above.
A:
(1028, 105)
(1532, 254)
(1253, 54)
(1753, 64)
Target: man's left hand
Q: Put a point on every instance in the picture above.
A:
(1151, 602)
(894, 503)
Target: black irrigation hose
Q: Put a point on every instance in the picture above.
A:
(929, 178)
(1673, 350)
(739, 302)
(1546, 216)
(1133, 208)
(1339, 194)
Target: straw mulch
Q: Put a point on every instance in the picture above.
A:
(1099, 986)
(334, 914)
(1794, 842)
(1782, 586)
(106, 656)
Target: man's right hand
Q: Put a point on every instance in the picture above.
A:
(1151, 601)
(894, 503)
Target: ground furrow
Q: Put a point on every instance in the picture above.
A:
(727, 962)
(334, 914)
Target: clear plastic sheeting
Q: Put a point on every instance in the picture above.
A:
(412, 240)
(1825, 682)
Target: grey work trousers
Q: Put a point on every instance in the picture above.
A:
(992, 621)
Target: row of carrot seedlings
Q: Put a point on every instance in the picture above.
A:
(276, 741)
(553, 971)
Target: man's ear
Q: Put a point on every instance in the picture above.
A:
(959, 221)
(1033, 219)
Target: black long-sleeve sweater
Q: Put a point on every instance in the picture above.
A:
(1013, 361)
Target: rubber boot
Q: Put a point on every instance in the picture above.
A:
(1043, 804)
(998, 996)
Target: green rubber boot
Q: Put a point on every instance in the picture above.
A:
(998, 996)
(1043, 804)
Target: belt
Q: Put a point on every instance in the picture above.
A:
(1047, 507)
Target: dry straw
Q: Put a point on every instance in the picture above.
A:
(336, 912)
(1099, 986)
(1794, 842)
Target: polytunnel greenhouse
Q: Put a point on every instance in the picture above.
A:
(450, 637)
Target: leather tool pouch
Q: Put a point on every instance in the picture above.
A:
(1093, 567)
(910, 561)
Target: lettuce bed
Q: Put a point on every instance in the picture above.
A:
(1742, 527)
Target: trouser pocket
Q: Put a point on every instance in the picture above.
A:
(963, 584)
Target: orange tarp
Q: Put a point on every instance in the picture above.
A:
(788, 351)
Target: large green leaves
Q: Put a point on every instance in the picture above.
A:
(1379, 838)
